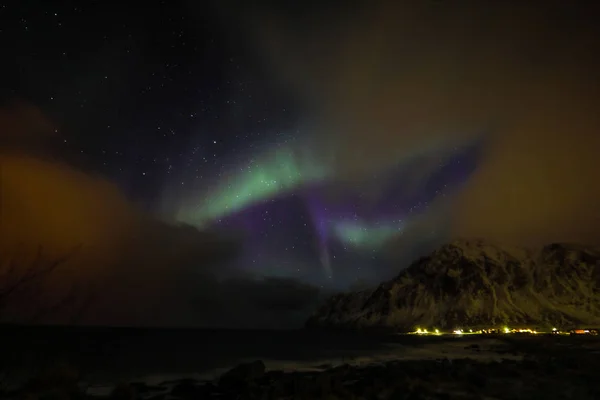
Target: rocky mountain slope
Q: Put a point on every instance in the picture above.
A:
(471, 283)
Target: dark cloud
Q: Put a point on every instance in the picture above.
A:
(250, 302)
(277, 294)
(389, 79)
(138, 270)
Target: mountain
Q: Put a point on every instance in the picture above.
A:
(475, 284)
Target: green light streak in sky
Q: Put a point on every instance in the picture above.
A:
(364, 235)
(278, 171)
(281, 169)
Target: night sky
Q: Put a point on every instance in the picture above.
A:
(334, 142)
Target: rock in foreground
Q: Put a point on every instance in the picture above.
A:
(477, 284)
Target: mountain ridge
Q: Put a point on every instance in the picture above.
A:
(475, 283)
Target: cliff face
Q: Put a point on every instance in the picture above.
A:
(477, 284)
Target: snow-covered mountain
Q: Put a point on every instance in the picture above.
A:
(472, 283)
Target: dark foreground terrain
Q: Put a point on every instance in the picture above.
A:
(297, 365)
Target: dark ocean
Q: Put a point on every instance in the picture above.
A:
(125, 354)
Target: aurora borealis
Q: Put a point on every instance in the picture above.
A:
(289, 199)
(263, 177)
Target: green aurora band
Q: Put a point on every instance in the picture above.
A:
(365, 235)
(277, 171)
(283, 168)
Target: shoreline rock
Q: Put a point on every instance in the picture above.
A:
(550, 368)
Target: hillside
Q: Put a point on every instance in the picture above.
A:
(471, 283)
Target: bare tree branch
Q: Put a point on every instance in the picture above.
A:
(18, 279)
